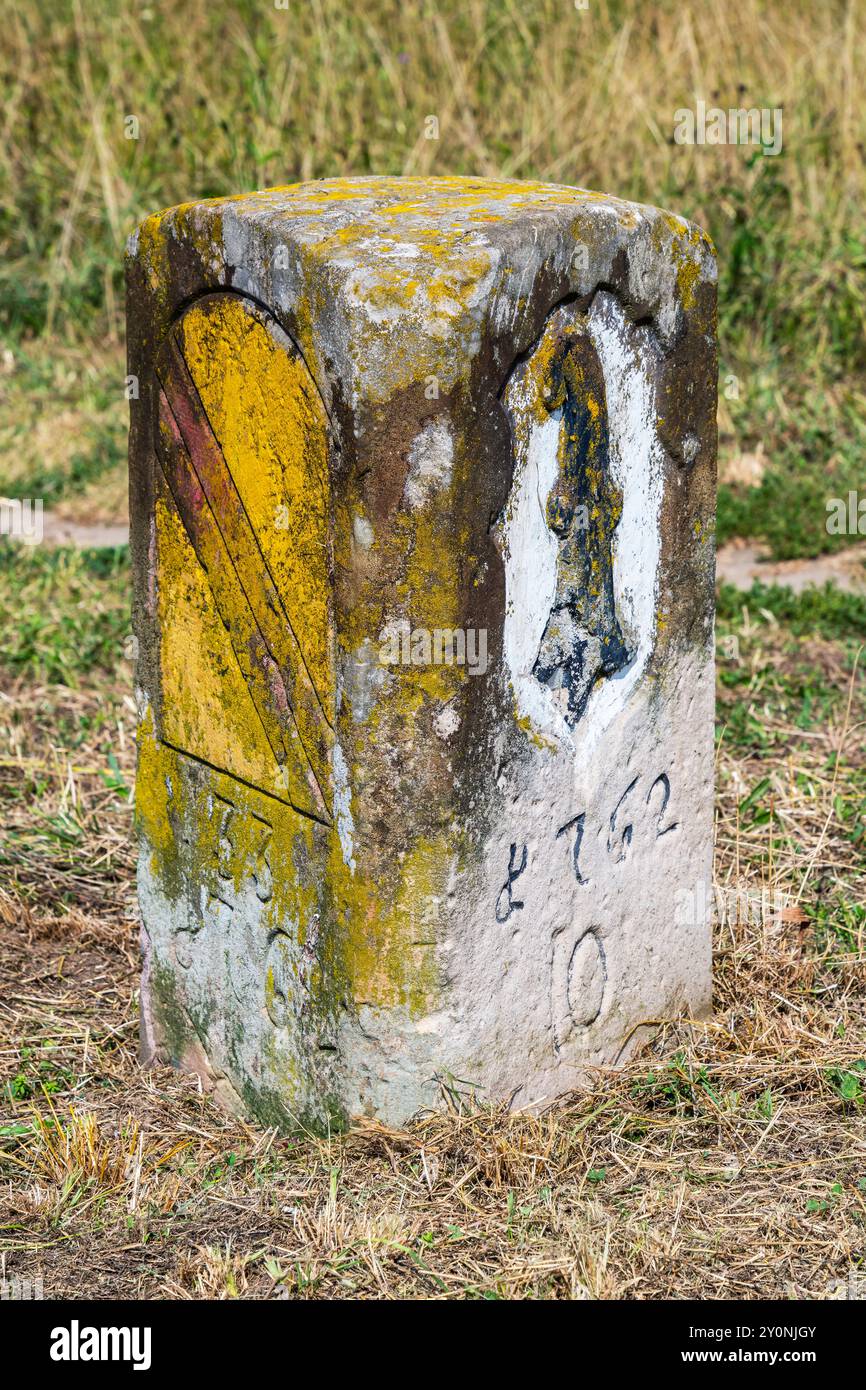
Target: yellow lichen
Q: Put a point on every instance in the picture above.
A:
(269, 420)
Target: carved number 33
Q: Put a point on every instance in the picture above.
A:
(231, 862)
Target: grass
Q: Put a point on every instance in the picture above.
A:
(723, 1162)
(63, 612)
(535, 90)
(811, 448)
(829, 612)
(63, 428)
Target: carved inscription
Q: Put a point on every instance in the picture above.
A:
(649, 813)
(236, 853)
(241, 850)
(578, 982)
(506, 903)
(579, 968)
(277, 986)
(632, 810)
(576, 824)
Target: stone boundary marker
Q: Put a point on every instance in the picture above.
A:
(422, 502)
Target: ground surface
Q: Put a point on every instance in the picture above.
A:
(731, 1160)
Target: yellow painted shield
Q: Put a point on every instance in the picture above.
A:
(243, 559)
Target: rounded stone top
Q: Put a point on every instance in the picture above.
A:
(397, 206)
(487, 200)
(442, 263)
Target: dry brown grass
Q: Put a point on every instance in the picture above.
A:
(728, 1161)
(525, 89)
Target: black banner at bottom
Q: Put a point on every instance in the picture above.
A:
(63, 1339)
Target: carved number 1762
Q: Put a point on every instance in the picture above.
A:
(621, 825)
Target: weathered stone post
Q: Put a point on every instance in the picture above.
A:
(422, 497)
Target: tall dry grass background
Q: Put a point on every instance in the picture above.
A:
(242, 95)
(232, 96)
